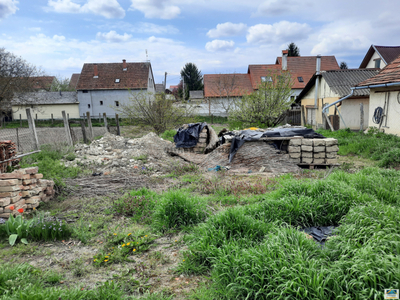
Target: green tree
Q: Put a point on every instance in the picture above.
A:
(343, 65)
(61, 84)
(158, 112)
(266, 106)
(193, 79)
(293, 50)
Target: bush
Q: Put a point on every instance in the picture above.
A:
(177, 209)
(137, 204)
(70, 157)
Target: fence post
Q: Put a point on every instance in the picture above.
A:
(18, 143)
(83, 131)
(303, 115)
(99, 117)
(89, 120)
(67, 129)
(84, 118)
(212, 119)
(32, 127)
(52, 120)
(36, 118)
(20, 121)
(361, 117)
(105, 121)
(117, 121)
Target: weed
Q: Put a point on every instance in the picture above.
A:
(142, 158)
(177, 169)
(48, 228)
(168, 135)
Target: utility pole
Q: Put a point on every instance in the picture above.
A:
(165, 82)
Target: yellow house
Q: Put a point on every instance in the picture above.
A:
(45, 105)
(330, 86)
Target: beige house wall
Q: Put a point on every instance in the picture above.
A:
(44, 111)
(393, 118)
(371, 63)
(350, 111)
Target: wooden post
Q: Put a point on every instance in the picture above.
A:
(303, 115)
(67, 129)
(36, 118)
(52, 120)
(32, 127)
(329, 122)
(83, 131)
(105, 121)
(361, 117)
(117, 121)
(18, 143)
(212, 118)
(99, 117)
(84, 118)
(20, 120)
(68, 116)
(89, 120)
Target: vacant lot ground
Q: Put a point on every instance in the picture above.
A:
(191, 234)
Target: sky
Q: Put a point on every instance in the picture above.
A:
(219, 36)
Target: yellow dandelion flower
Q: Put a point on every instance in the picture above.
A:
(137, 243)
(95, 260)
(176, 241)
(128, 243)
(115, 234)
(183, 260)
(123, 245)
(106, 256)
(133, 250)
(129, 234)
(145, 235)
(109, 254)
(112, 248)
(106, 260)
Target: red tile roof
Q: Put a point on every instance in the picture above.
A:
(41, 82)
(388, 53)
(223, 85)
(389, 74)
(305, 66)
(135, 77)
(257, 71)
(74, 80)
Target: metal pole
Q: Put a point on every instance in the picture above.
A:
(32, 127)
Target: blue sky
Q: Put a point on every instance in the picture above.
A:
(220, 36)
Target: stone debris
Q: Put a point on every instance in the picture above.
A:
(113, 153)
(314, 151)
(23, 188)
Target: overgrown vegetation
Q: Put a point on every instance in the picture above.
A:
(384, 148)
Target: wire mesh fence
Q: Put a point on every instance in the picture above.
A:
(22, 137)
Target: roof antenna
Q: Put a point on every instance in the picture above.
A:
(147, 57)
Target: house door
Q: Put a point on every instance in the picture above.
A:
(311, 116)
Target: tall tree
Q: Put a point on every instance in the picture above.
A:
(293, 50)
(193, 79)
(266, 106)
(16, 76)
(343, 65)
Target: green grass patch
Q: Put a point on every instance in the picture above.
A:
(168, 135)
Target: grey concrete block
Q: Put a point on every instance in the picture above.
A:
(330, 142)
(331, 155)
(332, 149)
(307, 154)
(319, 155)
(318, 142)
(307, 142)
(319, 160)
(319, 149)
(305, 148)
(295, 155)
(306, 160)
(331, 161)
(294, 149)
(295, 142)
(295, 160)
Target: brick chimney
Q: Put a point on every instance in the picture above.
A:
(124, 68)
(284, 59)
(95, 72)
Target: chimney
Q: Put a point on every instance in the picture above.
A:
(124, 68)
(95, 72)
(284, 59)
(318, 69)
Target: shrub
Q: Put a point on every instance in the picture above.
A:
(177, 209)
(70, 157)
(137, 204)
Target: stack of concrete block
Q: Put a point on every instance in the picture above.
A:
(201, 143)
(314, 151)
(23, 188)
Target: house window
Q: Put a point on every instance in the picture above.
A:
(300, 79)
(117, 80)
(84, 91)
(101, 102)
(88, 106)
(125, 69)
(377, 63)
(95, 76)
(266, 78)
(116, 103)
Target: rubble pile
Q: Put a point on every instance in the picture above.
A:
(23, 189)
(314, 151)
(8, 150)
(114, 153)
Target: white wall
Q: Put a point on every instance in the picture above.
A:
(371, 63)
(44, 111)
(350, 111)
(393, 118)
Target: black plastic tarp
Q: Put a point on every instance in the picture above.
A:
(187, 137)
(251, 135)
(321, 233)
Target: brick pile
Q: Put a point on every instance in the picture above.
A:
(201, 143)
(23, 188)
(7, 150)
(314, 151)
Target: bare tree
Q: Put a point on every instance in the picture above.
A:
(16, 76)
(225, 89)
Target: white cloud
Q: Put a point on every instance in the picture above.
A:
(160, 9)
(227, 29)
(144, 27)
(59, 38)
(113, 37)
(7, 8)
(219, 45)
(282, 31)
(106, 8)
(281, 7)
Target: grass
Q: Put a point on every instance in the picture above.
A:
(168, 135)
(381, 147)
